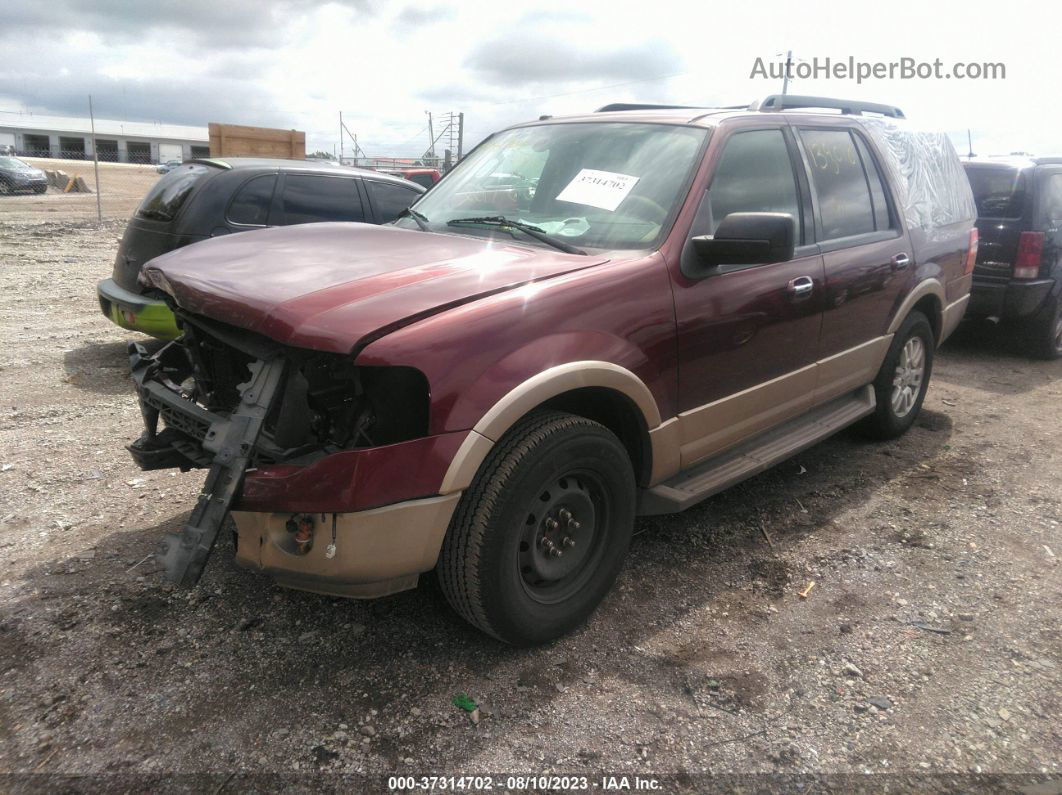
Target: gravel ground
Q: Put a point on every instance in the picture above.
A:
(929, 645)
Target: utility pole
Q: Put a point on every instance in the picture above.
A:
(431, 140)
(969, 143)
(340, 136)
(460, 135)
(96, 165)
(785, 77)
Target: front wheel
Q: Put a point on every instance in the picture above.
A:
(540, 536)
(901, 383)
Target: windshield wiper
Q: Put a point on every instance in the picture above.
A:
(528, 229)
(420, 218)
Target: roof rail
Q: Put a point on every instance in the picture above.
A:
(787, 101)
(640, 106)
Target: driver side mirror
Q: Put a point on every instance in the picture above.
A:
(748, 239)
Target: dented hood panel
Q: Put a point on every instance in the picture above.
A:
(328, 286)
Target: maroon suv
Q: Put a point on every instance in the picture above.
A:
(654, 304)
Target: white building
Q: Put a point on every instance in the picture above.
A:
(32, 135)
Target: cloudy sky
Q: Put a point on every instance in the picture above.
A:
(297, 63)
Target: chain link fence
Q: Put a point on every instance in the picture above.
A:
(121, 188)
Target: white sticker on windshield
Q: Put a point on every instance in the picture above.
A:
(602, 189)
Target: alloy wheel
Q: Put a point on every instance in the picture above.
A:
(910, 373)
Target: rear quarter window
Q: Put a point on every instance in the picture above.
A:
(390, 199)
(998, 192)
(1051, 202)
(250, 205)
(928, 181)
(169, 194)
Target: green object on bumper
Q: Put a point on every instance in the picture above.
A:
(136, 312)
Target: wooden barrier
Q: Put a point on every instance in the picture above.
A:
(235, 140)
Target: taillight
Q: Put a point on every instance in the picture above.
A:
(1030, 250)
(971, 253)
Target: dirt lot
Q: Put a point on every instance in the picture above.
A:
(929, 646)
(123, 185)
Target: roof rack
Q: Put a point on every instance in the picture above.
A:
(777, 102)
(640, 106)
(774, 102)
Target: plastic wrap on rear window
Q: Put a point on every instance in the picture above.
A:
(932, 186)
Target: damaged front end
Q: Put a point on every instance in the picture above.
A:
(231, 400)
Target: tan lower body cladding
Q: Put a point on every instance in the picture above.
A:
(377, 552)
(714, 428)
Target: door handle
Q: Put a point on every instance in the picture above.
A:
(800, 287)
(900, 261)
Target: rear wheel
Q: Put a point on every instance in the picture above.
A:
(901, 384)
(540, 536)
(1045, 331)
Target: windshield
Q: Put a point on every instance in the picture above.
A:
(165, 199)
(999, 192)
(596, 185)
(13, 162)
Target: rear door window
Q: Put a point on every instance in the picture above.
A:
(999, 192)
(882, 214)
(309, 198)
(840, 183)
(390, 199)
(169, 194)
(250, 205)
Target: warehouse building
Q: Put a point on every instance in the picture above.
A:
(33, 135)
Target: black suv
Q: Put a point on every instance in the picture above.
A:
(206, 198)
(1018, 275)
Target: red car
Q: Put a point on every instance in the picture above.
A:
(496, 385)
(425, 177)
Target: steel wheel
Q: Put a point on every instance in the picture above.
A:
(560, 542)
(539, 537)
(910, 372)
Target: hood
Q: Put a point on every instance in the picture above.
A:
(328, 286)
(31, 171)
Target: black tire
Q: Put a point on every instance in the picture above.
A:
(1045, 331)
(40, 188)
(497, 568)
(889, 421)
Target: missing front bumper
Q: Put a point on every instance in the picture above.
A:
(230, 439)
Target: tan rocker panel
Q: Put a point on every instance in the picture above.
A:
(714, 428)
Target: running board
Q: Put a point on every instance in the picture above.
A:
(756, 455)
